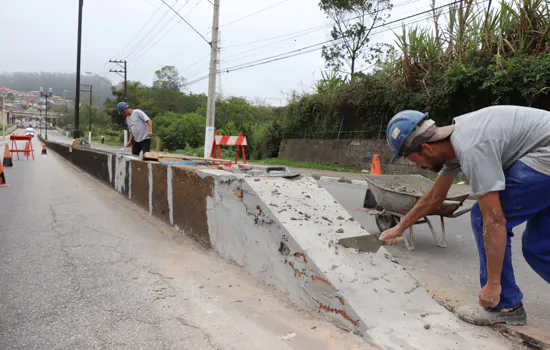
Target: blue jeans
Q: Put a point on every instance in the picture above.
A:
(526, 198)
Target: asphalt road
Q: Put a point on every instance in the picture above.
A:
(452, 272)
(81, 267)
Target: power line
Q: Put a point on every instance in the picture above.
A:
(144, 45)
(138, 33)
(189, 24)
(194, 7)
(312, 48)
(197, 62)
(312, 29)
(253, 14)
(151, 32)
(143, 52)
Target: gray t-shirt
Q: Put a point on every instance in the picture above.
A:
(137, 122)
(489, 141)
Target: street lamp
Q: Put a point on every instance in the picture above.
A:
(49, 94)
(100, 77)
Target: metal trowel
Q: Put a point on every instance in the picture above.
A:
(365, 243)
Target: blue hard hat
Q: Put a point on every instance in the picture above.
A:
(400, 128)
(121, 106)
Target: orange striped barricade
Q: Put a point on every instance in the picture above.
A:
(238, 141)
(28, 151)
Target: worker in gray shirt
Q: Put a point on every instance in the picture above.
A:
(141, 128)
(505, 153)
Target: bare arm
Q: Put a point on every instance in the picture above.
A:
(130, 139)
(430, 201)
(494, 236)
(150, 125)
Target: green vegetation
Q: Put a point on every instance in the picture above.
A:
(307, 165)
(473, 55)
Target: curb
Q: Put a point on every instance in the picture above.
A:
(338, 179)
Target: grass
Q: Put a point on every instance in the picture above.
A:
(308, 165)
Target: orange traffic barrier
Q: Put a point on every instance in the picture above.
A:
(370, 201)
(28, 151)
(375, 168)
(2, 177)
(7, 158)
(44, 151)
(238, 141)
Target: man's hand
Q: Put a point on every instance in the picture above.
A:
(128, 144)
(150, 134)
(490, 295)
(392, 236)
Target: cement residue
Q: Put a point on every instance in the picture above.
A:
(403, 188)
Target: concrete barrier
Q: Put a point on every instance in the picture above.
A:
(284, 232)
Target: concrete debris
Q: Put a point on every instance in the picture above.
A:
(288, 336)
(340, 230)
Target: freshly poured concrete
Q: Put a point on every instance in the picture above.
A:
(284, 232)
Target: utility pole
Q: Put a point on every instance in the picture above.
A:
(220, 86)
(3, 121)
(78, 51)
(123, 74)
(211, 103)
(88, 88)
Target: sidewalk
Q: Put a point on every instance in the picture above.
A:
(55, 136)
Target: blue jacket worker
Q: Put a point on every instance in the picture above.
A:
(505, 153)
(141, 128)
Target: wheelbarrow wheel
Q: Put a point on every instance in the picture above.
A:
(385, 221)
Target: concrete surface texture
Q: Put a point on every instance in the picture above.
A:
(263, 225)
(83, 268)
(451, 274)
(369, 291)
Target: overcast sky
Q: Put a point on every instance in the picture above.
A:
(41, 36)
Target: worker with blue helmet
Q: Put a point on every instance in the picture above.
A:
(121, 107)
(141, 128)
(505, 153)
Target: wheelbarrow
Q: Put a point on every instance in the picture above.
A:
(396, 195)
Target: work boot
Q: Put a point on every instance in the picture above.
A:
(487, 316)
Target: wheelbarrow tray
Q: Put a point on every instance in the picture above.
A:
(399, 193)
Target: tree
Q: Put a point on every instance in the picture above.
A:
(353, 23)
(168, 77)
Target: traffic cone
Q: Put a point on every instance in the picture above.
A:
(370, 201)
(7, 157)
(44, 151)
(375, 168)
(27, 151)
(2, 177)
